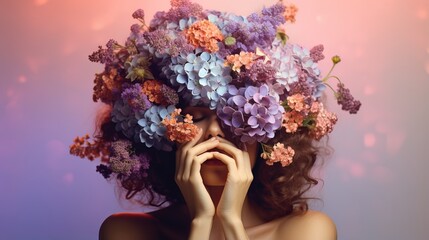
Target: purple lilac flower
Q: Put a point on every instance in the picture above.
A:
(124, 166)
(138, 14)
(180, 9)
(135, 98)
(316, 53)
(251, 113)
(170, 95)
(121, 148)
(136, 29)
(106, 171)
(152, 132)
(259, 73)
(159, 40)
(180, 45)
(105, 56)
(346, 100)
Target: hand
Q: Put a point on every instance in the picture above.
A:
(189, 158)
(236, 187)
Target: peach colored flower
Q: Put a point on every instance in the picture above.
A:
(236, 61)
(325, 122)
(105, 83)
(292, 121)
(152, 89)
(84, 148)
(290, 13)
(297, 102)
(281, 154)
(178, 131)
(204, 34)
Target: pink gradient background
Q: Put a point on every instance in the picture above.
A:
(376, 182)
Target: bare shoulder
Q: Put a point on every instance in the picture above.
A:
(313, 225)
(167, 223)
(129, 226)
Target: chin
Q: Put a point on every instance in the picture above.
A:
(214, 174)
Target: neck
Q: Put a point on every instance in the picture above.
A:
(248, 215)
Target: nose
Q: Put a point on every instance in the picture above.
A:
(214, 129)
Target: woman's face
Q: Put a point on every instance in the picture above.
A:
(213, 171)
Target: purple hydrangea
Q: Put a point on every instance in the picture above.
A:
(295, 67)
(251, 113)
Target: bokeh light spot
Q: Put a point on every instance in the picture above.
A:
(357, 170)
(422, 14)
(369, 140)
(98, 25)
(22, 79)
(68, 178)
(369, 90)
(40, 2)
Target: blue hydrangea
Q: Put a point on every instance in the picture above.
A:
(152, 132)
(125, 119)
(201, 77)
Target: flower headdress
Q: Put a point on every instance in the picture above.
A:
(244, 68)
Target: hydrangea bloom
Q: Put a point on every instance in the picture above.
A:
(251, 113)
(152, 131)
(260, 85)
(201, 77)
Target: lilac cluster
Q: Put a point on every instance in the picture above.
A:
(346, 100)
(180, 9)
(258, 73)
(257, 30)
(124, 162)
(251, 113)
(166, 42)
(135, 98)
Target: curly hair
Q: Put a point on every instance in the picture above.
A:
(276, 191)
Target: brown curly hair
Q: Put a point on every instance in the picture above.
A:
(276, 191)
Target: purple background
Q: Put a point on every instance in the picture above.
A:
(375, 182)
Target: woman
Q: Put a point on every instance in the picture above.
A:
(214, 177)
(236, 163)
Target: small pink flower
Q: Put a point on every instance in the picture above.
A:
(179, 131)
(325, 122)
(204, 34)
(297, 102)
(290, 13)
(236, 61)
(281, 154)
(292, 120)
